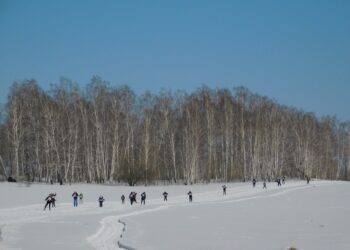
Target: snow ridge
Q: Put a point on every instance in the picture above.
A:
(121, 245)
(106, 238)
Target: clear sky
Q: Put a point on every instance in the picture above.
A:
(294, 51)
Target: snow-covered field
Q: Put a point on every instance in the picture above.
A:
(314, 216)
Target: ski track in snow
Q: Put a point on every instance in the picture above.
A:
(110, 232)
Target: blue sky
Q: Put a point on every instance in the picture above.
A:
(296, 52)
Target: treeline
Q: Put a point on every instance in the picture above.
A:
(108, 134)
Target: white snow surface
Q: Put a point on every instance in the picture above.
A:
(314, 216)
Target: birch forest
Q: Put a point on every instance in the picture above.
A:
(105, 134)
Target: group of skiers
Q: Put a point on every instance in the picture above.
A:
(254, 181)
(51, 198)
(132, 197)
(279, 182)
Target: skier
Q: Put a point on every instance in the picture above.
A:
(254, 182)
(48, 200)
(53, 199)
(278, 182)
(132, 197)
(283, 180)
(81, 197)
(10, 179)
(143, 198)
(135, 197)
(101, 200)
(224, 189)
(165, 194)
(264, 185)
(307, 179)
(190, 196)
(75, 198)
(123, 199)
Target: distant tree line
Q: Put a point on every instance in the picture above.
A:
(108, 134)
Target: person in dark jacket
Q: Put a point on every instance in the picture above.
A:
(224, 189)
(143, 198)
(165, 195)
(122, 198)
(48, 200)
(264, 185)
(190, 198)
(53, 199)
(254, 182)
(75, 198)
(101, 200)
(278, 182)
(10, 179)
(132, 197)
